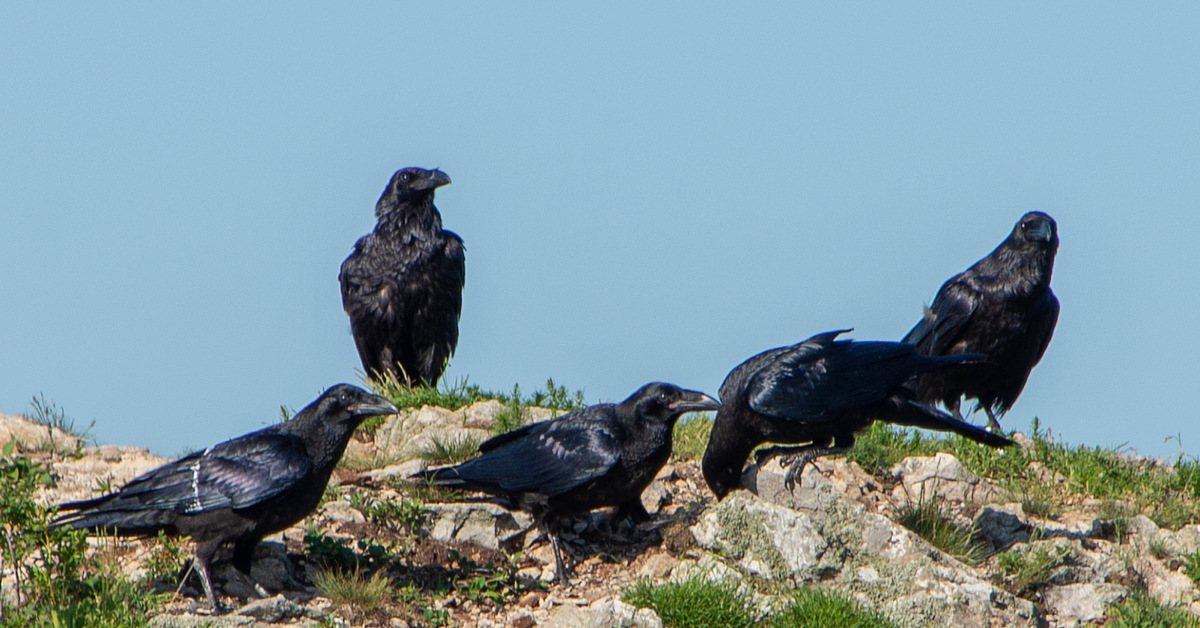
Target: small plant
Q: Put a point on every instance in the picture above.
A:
(814, 608)
(1191, 566)
(928, 519)
(52, 417)
(352, 588)
(335, 555)
(485, 582)
(404, 516)
(1159, 549)
(1029, 570)
(441, 452)
(165, 559)
(691, 437)
(693, 603)
(1139, 610)
(512, 416)
(56, 582)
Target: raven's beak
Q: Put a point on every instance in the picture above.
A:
(694, 401)
(1041, 231)
(436, 179)
(372, 406)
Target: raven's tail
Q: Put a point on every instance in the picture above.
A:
(120, 522)
(916, 414)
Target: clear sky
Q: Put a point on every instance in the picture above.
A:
(647, 191)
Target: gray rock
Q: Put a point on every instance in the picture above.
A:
(655, 497)
(606, 612)
(482, 523)
(764, 538)
(944, 477)
(1079, 604)
(1002, 526)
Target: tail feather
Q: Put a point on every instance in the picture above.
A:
(122, 522)
(916, 414)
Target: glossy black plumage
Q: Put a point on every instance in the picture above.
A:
(820, 392)
(1001, 306)
(237, 491)
(602, 455)
(402, 285)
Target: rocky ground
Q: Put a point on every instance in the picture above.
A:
(473, 563)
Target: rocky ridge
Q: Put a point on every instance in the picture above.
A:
(836, 531)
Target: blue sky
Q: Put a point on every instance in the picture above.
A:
(646, 192)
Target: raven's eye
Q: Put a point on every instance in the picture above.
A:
(664, 397)
(406, 177)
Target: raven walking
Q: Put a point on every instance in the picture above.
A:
(820, 392)
(240, 490)
(602, 455)
(1001, 306)
(402, 285)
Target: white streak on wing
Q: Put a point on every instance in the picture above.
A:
(196, 505)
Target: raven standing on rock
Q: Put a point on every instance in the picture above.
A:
(402, 285)
(820, 392)
(602, 455)
(1001, 306)
(240, 490)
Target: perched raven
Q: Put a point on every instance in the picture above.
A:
(820, 392)
(402, 285)
(240, 490)
(1001, 306)
(602, 455)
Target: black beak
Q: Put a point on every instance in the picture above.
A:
(694, 401)
(436, 179)
(373, 405)
(1041, 231)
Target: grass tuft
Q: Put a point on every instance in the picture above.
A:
(1025, 571)
(928, 518)
(815, 608)
(1140, 610)
(693, 603)
(691, 437)
(354, 589)
(441, 452)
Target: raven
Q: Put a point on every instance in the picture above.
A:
(820, 392)
(240, 490)
(602, 455)
(402, 285)
(1001, 306)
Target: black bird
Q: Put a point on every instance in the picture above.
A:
(402, 285)
(240, 490)
(602, 455)
(1003, 307)
(820, 392)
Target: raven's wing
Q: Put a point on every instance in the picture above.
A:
(1044, 317)
(816, 381)
(549, 458)
(234, 474)
(943, 321)
(440, 307)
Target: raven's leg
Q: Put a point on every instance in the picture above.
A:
(993, 425)
(243, 555)
(766, 454)
(204, 554)
(796, 462)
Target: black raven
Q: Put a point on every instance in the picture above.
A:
(1001, 306)
(602, 455)
(240, 490)
(402, 285)
(820, 392)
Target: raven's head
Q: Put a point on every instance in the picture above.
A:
(666, 403)
(410, 185)
(1036, 229)
(350, 405)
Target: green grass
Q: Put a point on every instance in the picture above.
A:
(1025, 571)
(440, 452)
(928, 519)
(693, 603)
(58, 582)
(1170, 498)
(461, 394)
(1139, 610)
(815, 608)
(691, 437)
(365, 594)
